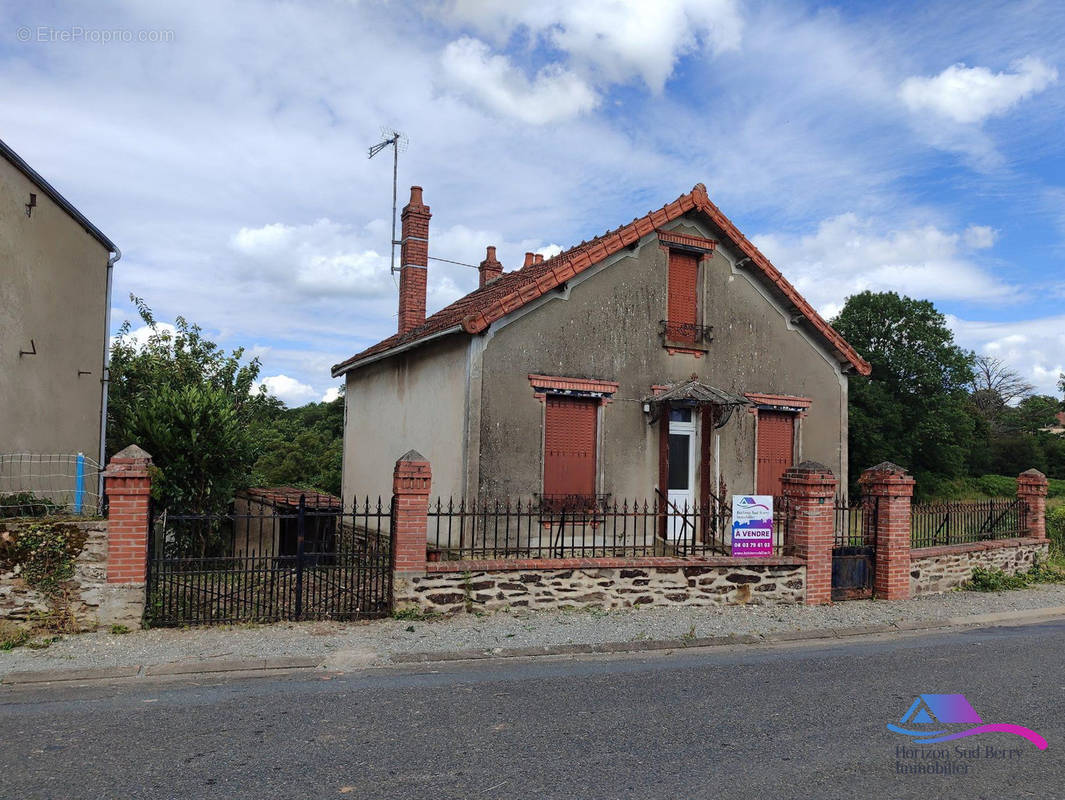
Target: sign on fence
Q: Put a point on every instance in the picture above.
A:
(752, 525)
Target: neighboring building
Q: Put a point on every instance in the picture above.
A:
(266, 522)
(1059, 424)
(668, 354)
(55, 277)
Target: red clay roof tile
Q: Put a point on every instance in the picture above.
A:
(512, 290)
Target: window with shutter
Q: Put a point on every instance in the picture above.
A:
(569, 446)
(776, 439)
(683, 304)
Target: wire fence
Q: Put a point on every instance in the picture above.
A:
(40, 484)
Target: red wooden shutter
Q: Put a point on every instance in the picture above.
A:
(569, 445)
(776, 435)
(683, 276)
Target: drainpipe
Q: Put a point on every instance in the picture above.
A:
(105, 379)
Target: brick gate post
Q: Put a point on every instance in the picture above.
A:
(1032, 491)
(411, 481)
(811, 490)
(888, 489)
(127, 484)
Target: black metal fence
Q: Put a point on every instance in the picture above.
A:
(934, 524)
(270, 565)
(600, 527)
(856, 522)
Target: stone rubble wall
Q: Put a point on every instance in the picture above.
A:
(940, 569)
(95, 602)
(602, 587)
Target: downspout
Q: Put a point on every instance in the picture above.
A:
(105, 378)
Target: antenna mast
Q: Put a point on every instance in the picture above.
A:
(398, 141)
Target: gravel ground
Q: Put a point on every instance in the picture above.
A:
(372, 642)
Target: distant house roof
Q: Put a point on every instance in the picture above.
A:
(512, 290)
(289, 496)
(35, 177)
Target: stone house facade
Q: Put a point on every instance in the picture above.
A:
(666, 357)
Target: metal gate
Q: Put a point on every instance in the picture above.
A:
(307, 564)
(854, 550)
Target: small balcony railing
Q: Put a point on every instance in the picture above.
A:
(686, 332)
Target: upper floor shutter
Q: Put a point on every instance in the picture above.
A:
(683, 281)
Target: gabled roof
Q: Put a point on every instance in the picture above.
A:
(35, 177)
(512, 290)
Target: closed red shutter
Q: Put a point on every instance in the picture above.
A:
(683, 276)
(776, 435)
(569, 446)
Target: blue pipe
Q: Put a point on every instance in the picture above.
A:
(79, 484)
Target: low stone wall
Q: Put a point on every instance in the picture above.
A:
(940, 569)
(95, 602)
(449, 587)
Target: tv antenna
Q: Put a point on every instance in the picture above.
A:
(398, 142)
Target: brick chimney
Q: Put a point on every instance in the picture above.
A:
(490, 268)
(413, 261)
(528, 260)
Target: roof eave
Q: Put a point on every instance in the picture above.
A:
(36, 178)
(345, 367)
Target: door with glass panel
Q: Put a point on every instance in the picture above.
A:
(681, 480)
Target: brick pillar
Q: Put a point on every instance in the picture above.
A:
(887, 490)
(811, 490)
(413, 261)
(1032, 491)
(127, 486)
(411, 481)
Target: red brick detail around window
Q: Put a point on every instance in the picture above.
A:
(544, 384)
(784, 400)
(667, 238)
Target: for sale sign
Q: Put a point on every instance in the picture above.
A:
(752, 525)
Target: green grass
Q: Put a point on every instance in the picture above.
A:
(985, 486)
(995, 580)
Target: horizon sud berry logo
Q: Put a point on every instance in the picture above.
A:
(935, 719)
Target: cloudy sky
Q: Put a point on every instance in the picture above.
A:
(915, 147)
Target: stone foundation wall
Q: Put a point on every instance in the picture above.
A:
(940, 569)
(451, 587)
(88, 587)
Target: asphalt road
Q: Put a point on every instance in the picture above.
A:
(796, 721)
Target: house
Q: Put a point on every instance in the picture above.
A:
(266, 522)
(667, 357)
(56, 271)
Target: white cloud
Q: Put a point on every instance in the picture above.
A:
(979, 237)
(288, 390)
(849, 254)
(972, 94)
(331, 394)
(321, 257)
(614, 39)
(1035, 348)
(555, 93)
(139, 336)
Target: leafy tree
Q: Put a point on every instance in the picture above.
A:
(302, 447)
(1033, 413)
(189, 404)
(915, 408)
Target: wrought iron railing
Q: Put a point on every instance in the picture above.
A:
(533, 529)
(686, 332)
(935, 524)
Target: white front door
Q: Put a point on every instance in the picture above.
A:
(681, 486)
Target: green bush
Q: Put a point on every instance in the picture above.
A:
(1056, 530)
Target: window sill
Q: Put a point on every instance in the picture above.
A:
(688, 348)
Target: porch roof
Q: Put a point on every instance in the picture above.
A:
(693, 392)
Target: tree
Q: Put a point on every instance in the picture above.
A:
(190, 405)
(302, 447)
(915, 408)
(994, 377)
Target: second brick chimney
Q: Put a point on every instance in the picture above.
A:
(490, 268)
(413, 261)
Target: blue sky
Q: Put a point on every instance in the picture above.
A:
(915, 147)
